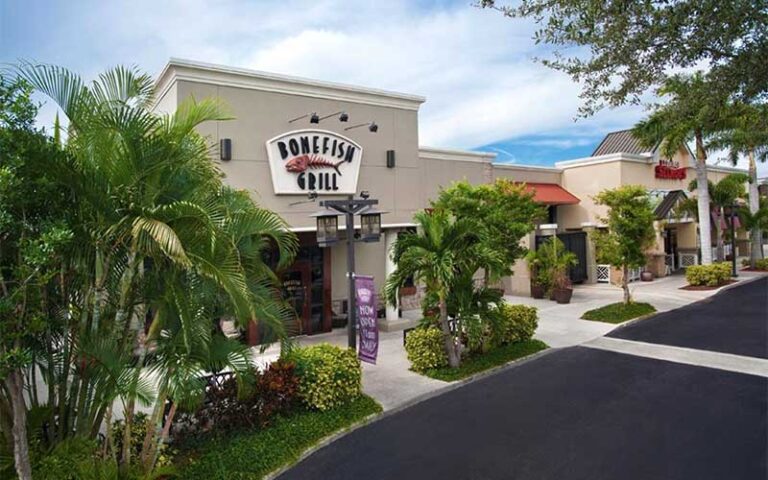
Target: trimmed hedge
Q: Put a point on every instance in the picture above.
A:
(329, 376)
(709, 275)
(514, 323)
(762, 264)
(425, 349)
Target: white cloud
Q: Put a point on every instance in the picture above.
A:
(474, 66)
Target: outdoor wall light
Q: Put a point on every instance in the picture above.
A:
(225, 149)
(327, 227)
(372, 127)
(343, 117)
(370, 225)
(313, 118)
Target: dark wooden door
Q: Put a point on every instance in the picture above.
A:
(297, 290)
(575, 242)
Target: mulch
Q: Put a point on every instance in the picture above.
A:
(750, 269)
(706, 287)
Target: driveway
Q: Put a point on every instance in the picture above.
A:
(735, 321)
(584, 413)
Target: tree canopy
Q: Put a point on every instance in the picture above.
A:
(618, 49)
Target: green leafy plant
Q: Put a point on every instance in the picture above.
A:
(329, 376)
(708, 275)
(516, 323)
(762, 264)
(554, 260)
(424, 348)
(630, 230)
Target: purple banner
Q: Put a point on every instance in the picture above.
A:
(367, 323)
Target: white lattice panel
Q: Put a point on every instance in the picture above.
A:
(603, 274)
(688, 259)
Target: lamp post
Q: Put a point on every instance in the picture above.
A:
(733, 240)
(370, 231)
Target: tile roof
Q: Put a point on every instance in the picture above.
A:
(620, 142)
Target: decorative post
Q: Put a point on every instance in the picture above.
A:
(370, 231)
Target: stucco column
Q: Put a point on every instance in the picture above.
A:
(389, 267)
(589, 227)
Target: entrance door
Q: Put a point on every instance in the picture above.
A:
(670, 246)
(297, 290)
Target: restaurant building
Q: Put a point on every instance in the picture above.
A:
(292, 136)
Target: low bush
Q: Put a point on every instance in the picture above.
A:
(329, 376)
(79, 459)
(139, 425)
(425, 349)
(710, 275)
(514, 323)
(762, 264)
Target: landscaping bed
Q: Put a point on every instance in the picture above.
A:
(707, 287)
(481, 362)
(619, 312)
(254, 454)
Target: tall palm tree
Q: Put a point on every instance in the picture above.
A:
(723, 194)
(693, 113)
(151, 218)
(746, 134)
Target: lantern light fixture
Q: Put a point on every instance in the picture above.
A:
(327, 227)
(370, 225)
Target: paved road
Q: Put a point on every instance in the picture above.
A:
(576, 413)
(733, 321)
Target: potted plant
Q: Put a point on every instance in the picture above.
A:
(562, 288)
(556, 260)
(539, 274)
(646, 276)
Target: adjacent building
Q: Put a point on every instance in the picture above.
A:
(290, 137)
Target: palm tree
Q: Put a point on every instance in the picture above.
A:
(151, 219)
(440, 255)
(723, 194)
(746, 134)
(693, 113)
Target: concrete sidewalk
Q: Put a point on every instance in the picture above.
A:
(393, 385)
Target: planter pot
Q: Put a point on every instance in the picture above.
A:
(563, 295)
(407, 291)
(552, 294)
(537, 291)
(646, 276)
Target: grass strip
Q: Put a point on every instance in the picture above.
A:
(252, 455)
(493, 358)
(618, 312)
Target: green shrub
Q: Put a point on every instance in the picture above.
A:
(514, 323)
(762, 264)
(329, 376)
(709, 275)
(425, 349)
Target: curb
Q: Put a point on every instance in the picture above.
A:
(449, 386)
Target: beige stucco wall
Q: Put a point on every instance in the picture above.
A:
(260, 116)
(585, 182)
(522, 173)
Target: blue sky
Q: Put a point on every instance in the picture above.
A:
(484, 90)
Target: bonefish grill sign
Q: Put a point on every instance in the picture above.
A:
(319, 161)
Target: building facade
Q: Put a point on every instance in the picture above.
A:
(291, 136)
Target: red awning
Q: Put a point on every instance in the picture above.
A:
(551, 194)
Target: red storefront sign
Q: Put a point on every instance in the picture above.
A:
(671, 173)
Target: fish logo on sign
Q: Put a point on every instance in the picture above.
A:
(319, 161)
